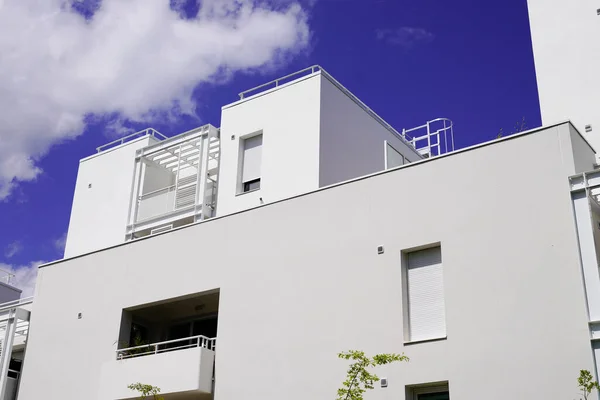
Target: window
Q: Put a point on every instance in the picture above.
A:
(252, 185)
(251, 162)
(424, 305)
(429, 392)
(393, 158)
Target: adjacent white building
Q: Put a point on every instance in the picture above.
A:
(236, 262)
(566, 50)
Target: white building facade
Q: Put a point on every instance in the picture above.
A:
(236, 262)
(566, 49)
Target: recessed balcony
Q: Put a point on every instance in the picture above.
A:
(182, 368)
(169, 344)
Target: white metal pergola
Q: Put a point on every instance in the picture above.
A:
(188, 166)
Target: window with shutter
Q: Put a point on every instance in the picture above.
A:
(425, 295)
(251, 162)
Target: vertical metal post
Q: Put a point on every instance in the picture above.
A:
(203, 166)
(177, 178)
(11, 326)
(136, 203)
(429, 139)
(199, 175)
(445, 138)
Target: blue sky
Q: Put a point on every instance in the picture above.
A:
(410, 61)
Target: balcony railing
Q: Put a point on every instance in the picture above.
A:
(169, 345)
(156, 203)
(133, 136)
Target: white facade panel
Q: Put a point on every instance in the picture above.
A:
(425, 287)
(352, 141)
(301, 280)
(187, 370)
(288, 118)
(566, 50)
(101, 200)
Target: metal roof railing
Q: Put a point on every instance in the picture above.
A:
(118, 142)
(6, 276)
(284, 79)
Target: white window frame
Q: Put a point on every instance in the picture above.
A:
(241, 182)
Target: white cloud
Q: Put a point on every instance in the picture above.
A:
(133, 58)
(24, 278)
(60, 243)
(12, 249)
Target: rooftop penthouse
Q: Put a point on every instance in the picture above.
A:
(287, 137)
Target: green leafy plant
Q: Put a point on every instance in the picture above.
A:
(137, 341)
(146, 391)
(586, 383)
(358, 378)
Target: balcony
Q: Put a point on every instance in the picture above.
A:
(175, 182)
(169, 344)
(183, 367)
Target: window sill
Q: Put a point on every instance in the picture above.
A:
(411, 342)
(249, 191)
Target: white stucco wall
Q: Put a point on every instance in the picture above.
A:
(351, 141)
(99, 214)
(173, 372)
(567, 60)
(301, 280)
(289, 119)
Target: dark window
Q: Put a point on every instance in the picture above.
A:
(14, 368)
(252, 185)
(138, 335)
(434, 396)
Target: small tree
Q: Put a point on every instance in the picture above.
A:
(586, 383)
(358, 379)
(146, 391)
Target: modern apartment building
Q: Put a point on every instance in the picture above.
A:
(566, 50)
(14, 327)
(236, 262)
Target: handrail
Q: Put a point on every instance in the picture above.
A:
(341, 87)
(8, 276)
(148, 131)
(312, 70)
(434, 138)
(427, 123)
(15, 303)
(201, 341)
(164, 189)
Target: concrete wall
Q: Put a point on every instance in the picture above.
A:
(99, 213)
(584, 156)
(173, 372)
(351, 141)
(288, 117)
(301, 280)
(567, 60)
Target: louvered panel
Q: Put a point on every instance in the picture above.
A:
(426, 305)
(185, 197)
